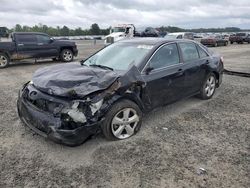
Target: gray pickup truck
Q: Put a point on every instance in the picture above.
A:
(33, 45)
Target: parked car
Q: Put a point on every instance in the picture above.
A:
(35, 45)
(150, 32)
(180, 35)
(111, 90)
(4, 32)
(240, 38)
(217, 40)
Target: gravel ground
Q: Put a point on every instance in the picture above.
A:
(174, 143)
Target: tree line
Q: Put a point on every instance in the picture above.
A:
(61, 31)
(96, 30)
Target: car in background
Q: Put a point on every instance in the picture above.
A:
(214, 40)
(4, 32)
(150, 32)
(112, 89)
(34, 45)
(180, 35)
(240, 38)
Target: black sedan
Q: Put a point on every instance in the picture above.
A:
(112, 89)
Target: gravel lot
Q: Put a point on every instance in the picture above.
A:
(174, 143)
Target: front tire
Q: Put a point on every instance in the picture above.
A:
(66, 55)
(208, 87)
(122, 121)
(4, 60)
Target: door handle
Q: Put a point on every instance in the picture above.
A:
(20, 44)
(179, 72)
(40, 44)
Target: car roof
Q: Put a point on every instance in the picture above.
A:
(152, 40)
(179, 33)
(25, 33)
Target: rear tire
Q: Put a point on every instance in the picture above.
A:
(208, 87)
(4, 60)
(122, 121)
(66, 55)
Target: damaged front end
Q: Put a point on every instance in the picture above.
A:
(63, 120)
(50, 108)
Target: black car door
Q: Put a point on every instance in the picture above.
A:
(26, 46)
(165, 80)
(192, 67)
(46, 47)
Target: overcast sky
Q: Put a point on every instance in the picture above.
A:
(82, 13)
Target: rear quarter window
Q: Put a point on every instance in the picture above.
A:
(202, 52)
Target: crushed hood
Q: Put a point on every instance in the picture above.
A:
(73, 79)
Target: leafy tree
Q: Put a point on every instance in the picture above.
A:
(95, 30)
(18, 28)
(78, 31)
(64, 31)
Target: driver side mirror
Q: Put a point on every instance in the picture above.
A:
(51, 40)
(148, 70)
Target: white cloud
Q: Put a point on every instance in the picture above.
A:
(82, 13)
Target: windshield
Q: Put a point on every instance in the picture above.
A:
(119, 56)
(117, 29)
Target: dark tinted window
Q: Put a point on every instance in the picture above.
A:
(202, 52)
(42, 39)
(179, 37)
(189, 51)
(26, 38)
(165, 56)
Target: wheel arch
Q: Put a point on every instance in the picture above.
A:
(6, 53)
(118, 98)
(66, 47)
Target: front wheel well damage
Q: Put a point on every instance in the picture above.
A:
(134, 99)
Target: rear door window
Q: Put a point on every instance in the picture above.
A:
(26, 39)
(189, 51)
(166, 56)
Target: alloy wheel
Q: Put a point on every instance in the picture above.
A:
(3, 61)
(67, 55)
(210, 86)
(124, 123)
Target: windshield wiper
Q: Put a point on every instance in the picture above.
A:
(101, 66)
